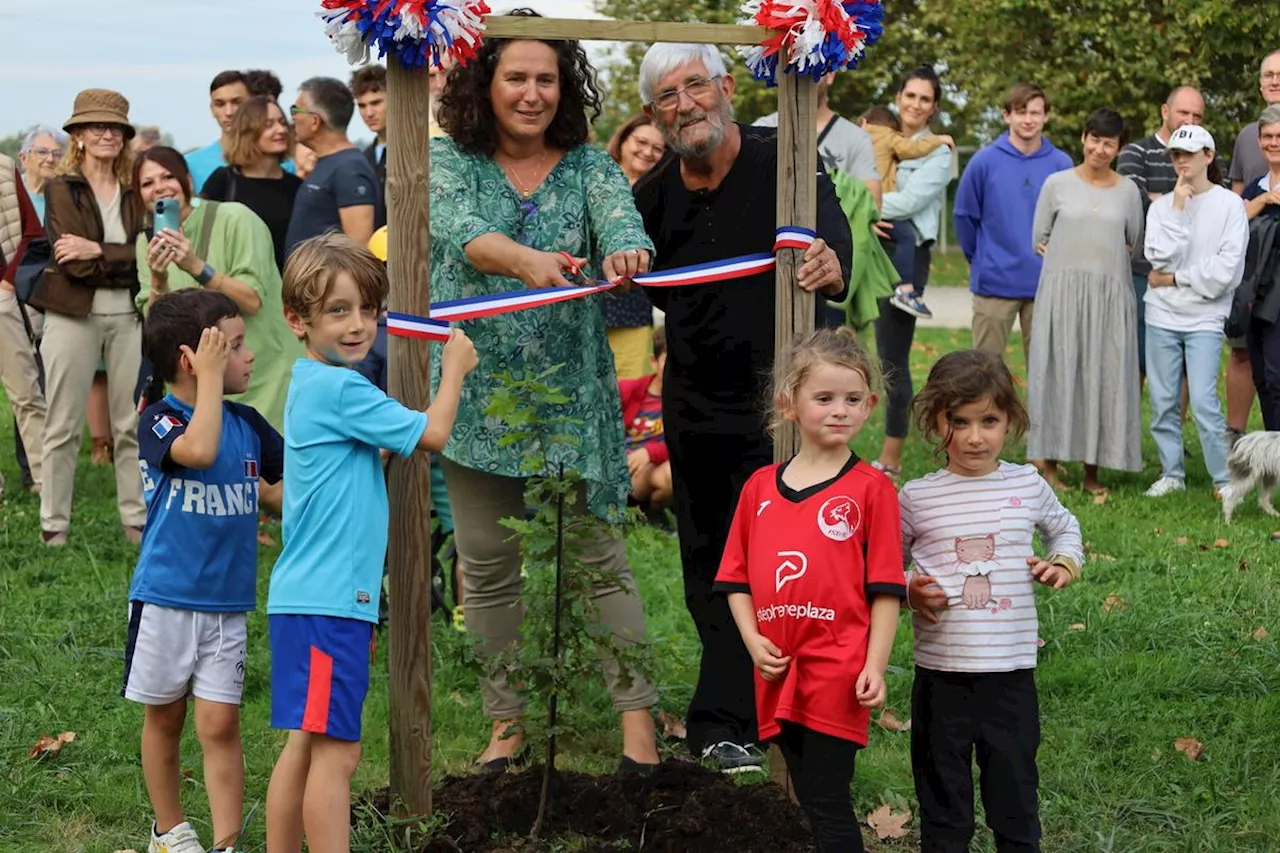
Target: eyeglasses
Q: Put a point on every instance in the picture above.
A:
(299, 111)
(98, 128)
(1270, 76)
(55, 153)
(695, 89)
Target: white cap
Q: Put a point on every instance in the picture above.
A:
(1191, 137)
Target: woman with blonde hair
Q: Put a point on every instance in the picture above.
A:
(92, 216)
(261, 142)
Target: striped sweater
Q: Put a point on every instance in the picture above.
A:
(973, 535)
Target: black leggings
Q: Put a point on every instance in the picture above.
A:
(821, 768)
(895, 330)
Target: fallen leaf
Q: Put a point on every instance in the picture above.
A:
(1189, 746)
(188, 774)
(672, 725)
(1156, 753)
(1100, 498)
(1181, 540)
(1076, 626)
(1260, 634)
(1156, 531)
(1039, 642)
(459, 699)
(1114, 602)
(889, 720)
(887, 824)
(1221, 543)
(50, 745)
(1243, 565)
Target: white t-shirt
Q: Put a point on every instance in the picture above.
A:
(1203, 245)
(973, 535)
(846, 147)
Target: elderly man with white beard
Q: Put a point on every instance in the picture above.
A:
(712, 197)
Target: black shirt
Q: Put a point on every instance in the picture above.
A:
(270, 198)
(720, 336)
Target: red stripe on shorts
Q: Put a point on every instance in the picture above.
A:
(319, 687)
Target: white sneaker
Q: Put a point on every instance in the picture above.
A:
(1165, 486)
(181, 839)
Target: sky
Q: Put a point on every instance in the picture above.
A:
(162, 54)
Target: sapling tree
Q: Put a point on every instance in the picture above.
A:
(562, 635)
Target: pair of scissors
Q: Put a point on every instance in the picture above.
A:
(575, 273)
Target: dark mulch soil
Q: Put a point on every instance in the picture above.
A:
(681, 808)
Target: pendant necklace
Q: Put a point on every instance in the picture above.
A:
(525, 191)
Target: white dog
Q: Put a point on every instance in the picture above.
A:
(1254, 461)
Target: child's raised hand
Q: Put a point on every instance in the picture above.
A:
(459, 354)
(1049, 574)
(926, 597)
(767, 657)
(209, 361)
(870, 689)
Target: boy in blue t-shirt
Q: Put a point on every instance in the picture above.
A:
(323, 601)
(201, 460)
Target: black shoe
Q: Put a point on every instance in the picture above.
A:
(729, 757)
(630, 767)
(495, 766)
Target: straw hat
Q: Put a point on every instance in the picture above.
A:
(100, 106)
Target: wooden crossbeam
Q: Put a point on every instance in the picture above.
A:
(516, 26)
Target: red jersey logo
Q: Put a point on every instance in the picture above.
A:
(789, 570)
(839, 518)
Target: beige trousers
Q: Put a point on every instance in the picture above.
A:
(21, 379)
(993, 321)
(71, 348)
(491, 564)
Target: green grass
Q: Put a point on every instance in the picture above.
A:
(1181, 661)
(949, 269)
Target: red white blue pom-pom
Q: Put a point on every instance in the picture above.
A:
(416, 32)
(815, 36)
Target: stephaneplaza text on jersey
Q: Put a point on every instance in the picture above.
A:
(795, 611)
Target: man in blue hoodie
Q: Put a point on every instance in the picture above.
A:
(994, 207)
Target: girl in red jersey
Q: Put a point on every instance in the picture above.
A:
(969, 530)
(813, 571)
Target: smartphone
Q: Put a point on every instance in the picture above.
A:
(168, 215)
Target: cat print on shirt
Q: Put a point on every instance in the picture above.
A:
(975, 558)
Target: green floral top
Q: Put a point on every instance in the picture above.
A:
(584, 207)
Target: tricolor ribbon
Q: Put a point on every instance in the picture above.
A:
(436, 326)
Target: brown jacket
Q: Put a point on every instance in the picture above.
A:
(70, 208)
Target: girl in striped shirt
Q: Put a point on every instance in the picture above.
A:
(968, 529)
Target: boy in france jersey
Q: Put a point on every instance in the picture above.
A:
(323, 601)
(201, 460)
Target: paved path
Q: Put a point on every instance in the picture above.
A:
(952, 308)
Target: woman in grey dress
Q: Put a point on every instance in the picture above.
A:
(1082, 380)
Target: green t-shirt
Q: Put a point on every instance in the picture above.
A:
(240, 247)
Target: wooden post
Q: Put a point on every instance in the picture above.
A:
(796, 205)
(409, 551)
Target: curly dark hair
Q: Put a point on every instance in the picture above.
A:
(466, 108)
(963, 377)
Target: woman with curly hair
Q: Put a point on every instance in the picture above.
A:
(515, 193)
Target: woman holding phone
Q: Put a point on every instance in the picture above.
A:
(221, 246)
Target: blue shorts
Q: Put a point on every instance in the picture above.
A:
(319, 673)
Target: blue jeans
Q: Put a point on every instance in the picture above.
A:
(1140, 291)
(1200, 353)
(902, 251)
